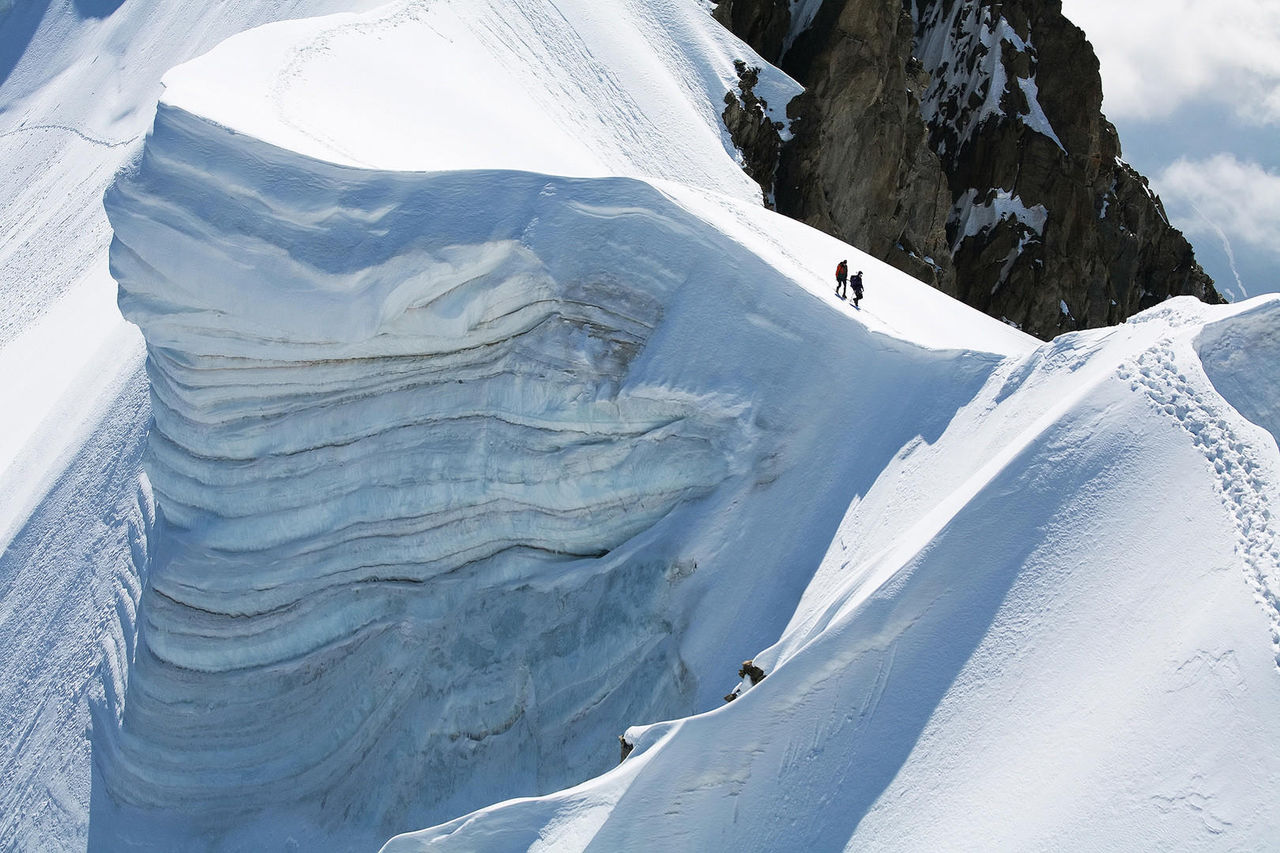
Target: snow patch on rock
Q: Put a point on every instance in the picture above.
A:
(971, 218)
(963, 45)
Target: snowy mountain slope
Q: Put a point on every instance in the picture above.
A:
(78, 85)
(571, 88)
(477, 443)
(1030, 633)
(497, 420)
(67, 573)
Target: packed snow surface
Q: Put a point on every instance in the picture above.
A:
(494, 418)
(573, 88)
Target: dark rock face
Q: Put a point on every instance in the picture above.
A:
(860, 166)
(963, 142)
(752, 131)
(1050, 229)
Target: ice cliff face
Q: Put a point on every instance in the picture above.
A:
(414, 548)
(1010, 100)
(389, 410)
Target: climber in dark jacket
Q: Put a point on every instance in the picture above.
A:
(857, 288)
(842, 278)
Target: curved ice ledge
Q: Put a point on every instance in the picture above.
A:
(394, 415)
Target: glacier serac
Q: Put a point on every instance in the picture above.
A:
(494, 418)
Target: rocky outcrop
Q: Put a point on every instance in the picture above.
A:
(963, 141)
(756, 136)
(1051, 230)
(859, 165)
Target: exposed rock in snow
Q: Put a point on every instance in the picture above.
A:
(860, 167)
(972, 218)
(1016, 105)
(972, 51)
(753, 132)
(766, 26)
(1000, 220)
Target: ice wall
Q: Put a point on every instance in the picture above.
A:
(395, 453)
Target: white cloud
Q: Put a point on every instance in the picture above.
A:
(1158, 54)
(1224, 195)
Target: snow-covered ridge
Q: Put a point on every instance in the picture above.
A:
(975, 662)
(463, 467)
(467, 418)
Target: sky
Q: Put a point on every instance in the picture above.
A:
(1194, 90)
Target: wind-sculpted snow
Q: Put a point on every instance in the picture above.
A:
(395, 449)
(460, 472)
(1240, 356)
